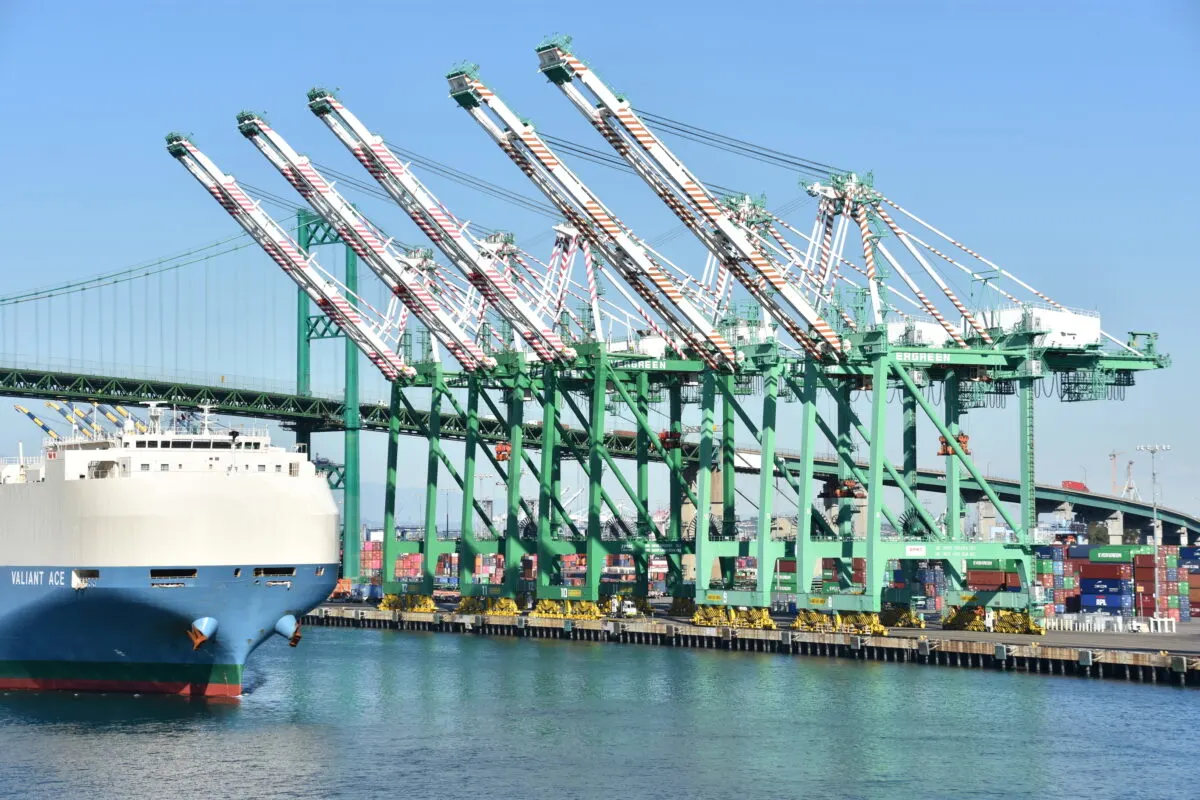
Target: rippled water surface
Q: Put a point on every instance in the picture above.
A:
(366, 714)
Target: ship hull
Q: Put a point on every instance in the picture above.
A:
(127, 630)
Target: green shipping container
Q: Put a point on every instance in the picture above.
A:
(1172, 601)
(829, 574)
(1068, 583)
(1184, 587)
(1172, 561)
(1118, 553)
(831, 588)
(1045, 566)
(1003, 565)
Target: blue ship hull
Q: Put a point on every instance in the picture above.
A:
(135, 630)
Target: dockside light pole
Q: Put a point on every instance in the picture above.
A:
(1154, 450)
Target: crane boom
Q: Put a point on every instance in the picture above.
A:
(69, 416)
(53, 434)
(298, 265)
(694, 204)
(584, 210)
(402, 274)
(482, 269)
(138, 425)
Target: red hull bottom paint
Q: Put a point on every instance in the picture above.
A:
(139, 687)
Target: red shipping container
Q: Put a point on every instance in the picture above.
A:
(1106, 571)
(1172, 587)
(786, 566)
(1012, 579)
(1143, 561)
(1173, 613)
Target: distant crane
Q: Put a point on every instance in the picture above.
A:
(1130, 491)
(69, 416)
(53, 434)
(1112, 459)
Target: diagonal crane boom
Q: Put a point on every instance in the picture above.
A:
(687, 197)
(53, 434)
(481, 267)
(402, 274)
(298, 265)
(583, 209)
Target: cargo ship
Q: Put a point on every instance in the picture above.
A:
(158, 557)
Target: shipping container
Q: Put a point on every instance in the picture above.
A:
(1112, 553)
(1105, 586)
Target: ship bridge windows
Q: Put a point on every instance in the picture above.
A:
(141, 444)
(152, 443)
(180, 444)
(221, 444)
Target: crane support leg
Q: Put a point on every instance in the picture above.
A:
(909, 406)
(875, 473)
(845, 451)
(766, 551)
(432, 468)
(728, 456)
(352, 485)
(469, 547)
(595, 549)
(389, 491)
(1028, 476)
(704, 549)
(954, 501)
(806, 555)
(512, 528)
(676, 487)
(641, 409)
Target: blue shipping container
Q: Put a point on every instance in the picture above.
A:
(1105, 586)
(1079, 551)
(1057, 568)
(1060, 608)
(1189, 552)
(1092, 601)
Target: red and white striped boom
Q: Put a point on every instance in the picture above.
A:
(284, 251)
(403, 275)
(587, 214)
(483, 269)
(688, 198)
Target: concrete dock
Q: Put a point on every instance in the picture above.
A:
(1172, 659)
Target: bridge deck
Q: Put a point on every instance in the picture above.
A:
(321, 414)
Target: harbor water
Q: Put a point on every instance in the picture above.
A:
(367, 713)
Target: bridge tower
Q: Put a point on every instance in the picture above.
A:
(312, 231)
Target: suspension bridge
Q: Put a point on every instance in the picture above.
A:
(811, 336)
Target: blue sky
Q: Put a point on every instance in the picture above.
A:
(1059, 139)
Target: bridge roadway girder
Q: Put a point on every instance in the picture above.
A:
(321, 414)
